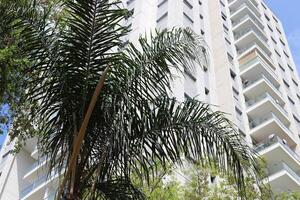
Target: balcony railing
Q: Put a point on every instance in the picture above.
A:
(38, 182)
(261, 77)
(251, 45)
(37, 163)
(257, 59)
(263, 96)
(283, 166)
(274, 140)
(248, 30)
(258, 121)
(244, 18)
(246, 4)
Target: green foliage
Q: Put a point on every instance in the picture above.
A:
(197, 185)
(288, 196)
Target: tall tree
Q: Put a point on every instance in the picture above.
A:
(136, 123)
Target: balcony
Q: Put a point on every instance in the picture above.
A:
(237, 5)
(36, 190)
(246, 14)
(261, 128)
(265, 103)
(36, 168)
(261, 84)
(275, 148)
(250, 52)
(247, 38)
(283, 178)
(255, 68)
(247, 23)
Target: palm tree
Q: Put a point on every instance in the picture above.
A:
(103, 109)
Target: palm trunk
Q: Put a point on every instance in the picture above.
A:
(79, 139)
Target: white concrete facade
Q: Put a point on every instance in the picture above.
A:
(251, 76)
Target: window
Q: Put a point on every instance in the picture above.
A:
(188, 18)
(162, 3)
(296, 119)
(277, 52)
(162, 17)
(188, 4)
(270, 28)
(224, 17)
(295, 82)
(291, 100)
(282, 42)
(275, 19)
(298, 96)
(286, 83)
(205, 69)
(242, 133)
(281, 67)
(290, 67)
(227, 41)
(235, 91)
(273, 40)
(232, 74)
(189, 74)
(238, 111)
(263, 5)
(200, 3)
(266, 16)
(6, 154)
(221, 2)
(225, 28)
(202, 32)
(286, 54)
(278, 30)
(187, 97)
(201, 16)
(230, 57)
(129, 2)
(206, 91)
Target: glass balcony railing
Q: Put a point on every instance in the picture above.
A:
(37, 163)
(261, 77)
(258, 60)
(236, 22)
(248, 4)
(248, 30)
(38, 182)
(258, 121)
(274, 140)
(264, 96)
(283, 167)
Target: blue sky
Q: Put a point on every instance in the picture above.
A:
(288, 11)
(3, 110)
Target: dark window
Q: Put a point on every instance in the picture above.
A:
(281, 67)
(189, 74)
(263, 5)
(163, 2)
(291, 100)
(206, 91)
(290, 67)
(270, 28)
(188, 4)
(295, 82)
(275, 19)
(286, 83)
(188, 18)
(266, 16)
(232, 74)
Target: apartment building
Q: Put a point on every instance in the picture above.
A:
(250, 74)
